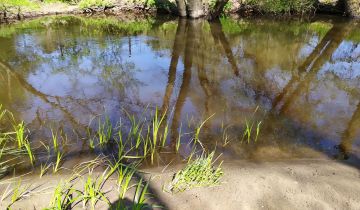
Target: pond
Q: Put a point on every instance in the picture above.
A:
(265, 89)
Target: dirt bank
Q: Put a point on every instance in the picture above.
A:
(298, 184)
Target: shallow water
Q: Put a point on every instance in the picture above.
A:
(300, 79)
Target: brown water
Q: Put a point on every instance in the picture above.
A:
(300, 79)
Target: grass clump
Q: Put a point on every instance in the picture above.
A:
(87, 4)
(64, 197)
(284, 6)
(199, 173)
(16, 6)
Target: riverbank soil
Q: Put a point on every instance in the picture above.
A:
(296, 184)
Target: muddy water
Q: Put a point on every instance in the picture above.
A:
(296, 82)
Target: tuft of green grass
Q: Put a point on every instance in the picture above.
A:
(93, 191)
(20, 134)
(125, 174)
(140, 195)
(64, 197)
(43, 169)
(104, 132)
(29, 152)
(249, 128)
(55, 140)
(198, 173)
(19, 192)
(88, 4)
(59, 160)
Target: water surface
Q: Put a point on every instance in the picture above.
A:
(300, 79)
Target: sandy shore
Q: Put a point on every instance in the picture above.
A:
(300, 184)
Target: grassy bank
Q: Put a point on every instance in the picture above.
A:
(17, 9)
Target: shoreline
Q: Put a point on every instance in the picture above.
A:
(51, 9)
(293, 184)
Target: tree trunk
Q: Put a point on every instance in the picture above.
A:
(195, 8)
(218, 9)
(181, 4)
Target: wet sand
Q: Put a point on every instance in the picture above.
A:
(296, 184)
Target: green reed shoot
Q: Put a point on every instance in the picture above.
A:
(29, 152)
(55, 140)
(249, 130)
(19, 193)
(59, 159)
(156, 124)
(178, 141)
(20, 134)
(104, 132)
(140, 195)
(198, 128)
(147, 142)
(63, 197)
(165, 134)
(43, 169)
(257, 130)
(93, 191)
(125, 174)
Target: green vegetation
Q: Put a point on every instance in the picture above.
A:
(16, 6)
(86, 4)
(198, 173)
(62, 197)
(141, 139)
(93, 191)
(59, 159)
(284, 6)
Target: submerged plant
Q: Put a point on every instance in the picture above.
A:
(198, 173)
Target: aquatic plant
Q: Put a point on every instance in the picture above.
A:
(20, 134)
(198, 173)
(29, 152)
(198, 128)
(178, 140)
(104, 132)
(55, 140)
(93, 191)
(64, 197)
(225, 136)
(43, 169)
(18, 192)
(249, 127)
(140, 195)
(59, 159)
(249, 130)
(125, 174)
